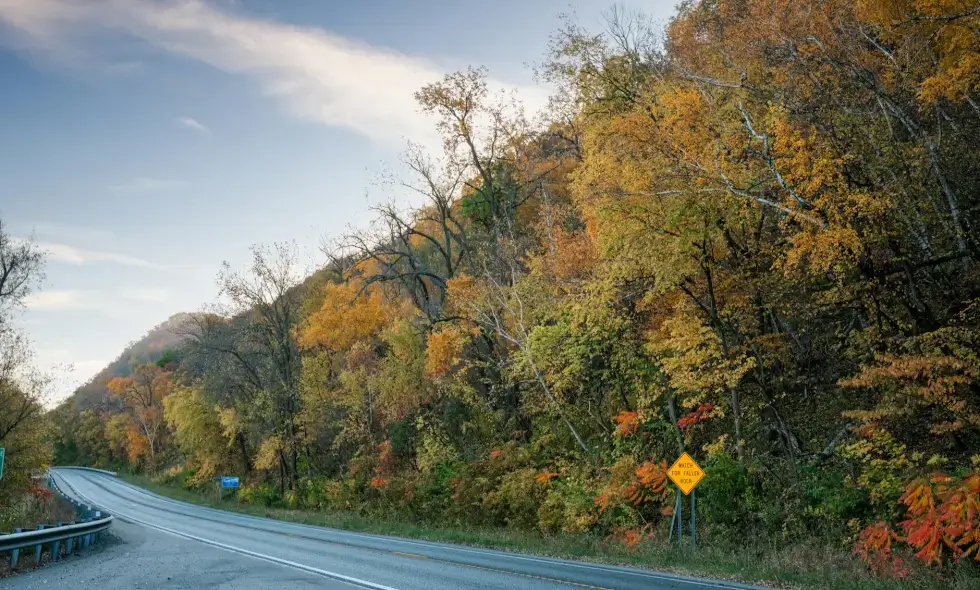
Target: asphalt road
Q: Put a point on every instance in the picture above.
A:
(171, 544)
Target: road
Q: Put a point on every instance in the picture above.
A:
(298, 555)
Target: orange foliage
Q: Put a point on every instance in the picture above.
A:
(646, 483)
(386, 461)
(632, 537)
(444, 350)
(136, 443)
(943, 516)
(545, 477)
(701, 414)
(346, 316)
(628, 423)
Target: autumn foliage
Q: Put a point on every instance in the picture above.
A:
(750, 236)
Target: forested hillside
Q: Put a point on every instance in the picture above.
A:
(150, 348)
(752, 237)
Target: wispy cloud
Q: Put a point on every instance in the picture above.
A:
(73, 255)
(142, 184)
(316, 74)
(60, 300)
(115, 302)
(194, 125)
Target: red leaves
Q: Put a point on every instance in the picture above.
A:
(702, 413)
(874, 547)
(943, 516)
(545, 477)
(39, 492)
(632, 537)
(628, 423)
(649, 481)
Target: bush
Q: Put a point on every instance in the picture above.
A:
(515, 503)
(261, 494)
(569, 507)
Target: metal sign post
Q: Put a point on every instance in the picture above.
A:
(2, 452)
(686, 474)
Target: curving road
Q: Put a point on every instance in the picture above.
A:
(339, 559)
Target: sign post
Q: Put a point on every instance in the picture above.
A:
(686, 474)
(2, 450)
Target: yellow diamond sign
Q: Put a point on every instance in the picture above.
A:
(685, 473)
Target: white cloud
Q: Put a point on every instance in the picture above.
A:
(73, 255)
(318, 75)
(143, 184)
(59, 300)
(194, 125)
(116, 302)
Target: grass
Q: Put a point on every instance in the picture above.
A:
(810, 566)
(27, 513)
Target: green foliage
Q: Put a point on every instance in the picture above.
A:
(752, 240)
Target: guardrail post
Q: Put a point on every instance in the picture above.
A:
(98, 515)
(55, 547)
(69, 542)
(38, 548)
(15, 553)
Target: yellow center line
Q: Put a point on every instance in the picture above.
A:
(412, 555)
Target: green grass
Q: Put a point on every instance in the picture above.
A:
(810, 566)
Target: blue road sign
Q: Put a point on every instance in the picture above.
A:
(229, 481)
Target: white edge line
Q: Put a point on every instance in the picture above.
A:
(663, 576)
(232, 548)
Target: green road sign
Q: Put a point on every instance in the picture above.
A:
(1, 462)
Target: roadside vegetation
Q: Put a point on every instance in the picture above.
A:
(23, 388)
(751, 235)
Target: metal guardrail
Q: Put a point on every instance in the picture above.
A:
(112, 473)
(75, 535)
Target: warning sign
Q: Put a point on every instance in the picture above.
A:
(685, 473)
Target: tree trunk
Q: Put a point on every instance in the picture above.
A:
(243, 448)
(672, 412)
(737, 417)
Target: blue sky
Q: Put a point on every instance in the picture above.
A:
(143, 142)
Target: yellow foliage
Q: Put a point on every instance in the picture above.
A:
(444, 349)
(268, 455)
(348, 315)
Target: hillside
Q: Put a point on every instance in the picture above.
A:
(148, 349)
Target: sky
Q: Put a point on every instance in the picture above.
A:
(143, 142)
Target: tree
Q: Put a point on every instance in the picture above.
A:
(266, 297)
(143, 394)
(21, 271)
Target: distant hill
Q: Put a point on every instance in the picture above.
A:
(151, 347)
(148, 349)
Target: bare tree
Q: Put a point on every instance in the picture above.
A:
(419, 250)
(21, 271)
(22, 386)
(266, 296)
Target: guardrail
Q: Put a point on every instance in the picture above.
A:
(75, 535)
(112, 473)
